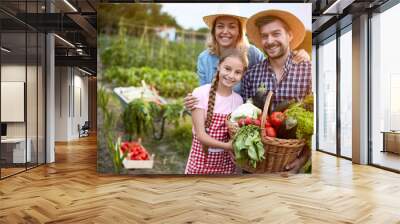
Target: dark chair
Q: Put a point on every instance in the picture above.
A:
(84, 130)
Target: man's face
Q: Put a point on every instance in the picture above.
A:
(275, 39)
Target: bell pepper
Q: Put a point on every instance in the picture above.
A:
(277, 119)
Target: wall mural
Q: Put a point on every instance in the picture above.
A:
(211, 89)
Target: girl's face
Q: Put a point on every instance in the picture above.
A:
(231, 71)
(226, 31)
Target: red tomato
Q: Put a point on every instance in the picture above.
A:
(123, 149)
(241, 122)
(277, 119)
(267, 124)
(132, 157)
(270, 131)
(248, 121)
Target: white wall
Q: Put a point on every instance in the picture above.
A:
(12, 73)
(33, 127)
(71, 93)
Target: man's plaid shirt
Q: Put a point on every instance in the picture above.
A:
(295, 83)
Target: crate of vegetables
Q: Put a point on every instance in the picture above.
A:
(137, 156)
(270, 146)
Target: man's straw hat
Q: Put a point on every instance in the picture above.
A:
(294, 24)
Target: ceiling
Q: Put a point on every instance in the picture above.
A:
(76, 23)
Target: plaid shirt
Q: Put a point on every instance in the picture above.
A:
(295, 82)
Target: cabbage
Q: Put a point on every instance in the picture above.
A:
(245, 110)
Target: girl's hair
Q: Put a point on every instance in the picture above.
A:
(242, 42)
(213, 90)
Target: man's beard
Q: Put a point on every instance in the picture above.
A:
(281, 51)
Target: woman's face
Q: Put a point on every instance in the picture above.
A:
(231, 71)
(226, 31)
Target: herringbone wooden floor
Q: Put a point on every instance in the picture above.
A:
(70, 191)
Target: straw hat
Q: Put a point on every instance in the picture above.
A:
(225, 11)
(294, 23)
(307, 43)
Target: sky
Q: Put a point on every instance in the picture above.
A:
(190, 15)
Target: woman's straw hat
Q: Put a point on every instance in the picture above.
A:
(225, 11)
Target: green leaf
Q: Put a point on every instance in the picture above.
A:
(252, 153)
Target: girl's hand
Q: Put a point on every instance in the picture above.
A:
(300, 56)
(190, 101)
(229, 146)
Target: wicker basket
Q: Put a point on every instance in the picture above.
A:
(233, 127)
(278, 152)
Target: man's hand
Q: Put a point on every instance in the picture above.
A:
(300, 56)
(298, 163)
(294, 166)
(190, 101)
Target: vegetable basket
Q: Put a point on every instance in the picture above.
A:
(278, 152)
(233, 127)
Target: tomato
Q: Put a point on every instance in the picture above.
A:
(132, 157)
(270, 131)
(277, 119)
(124, 149)
(135, 151)
(241, 122)
(248, 121)
(267, 124)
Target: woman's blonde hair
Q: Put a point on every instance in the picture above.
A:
(241, 42)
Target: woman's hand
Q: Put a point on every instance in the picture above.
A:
(190, 101)
(300, 56)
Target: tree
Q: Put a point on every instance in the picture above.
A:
(204, 30)
(109, 16)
